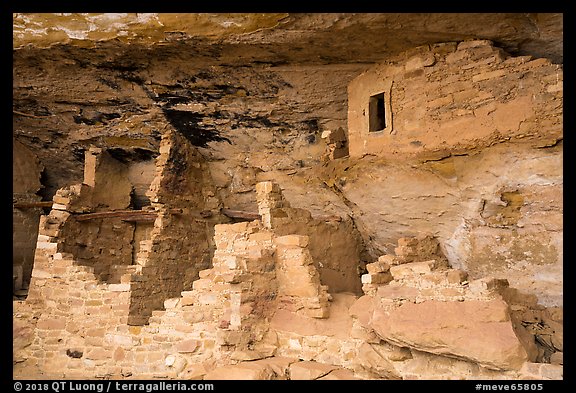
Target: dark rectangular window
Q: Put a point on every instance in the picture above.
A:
(377, 113)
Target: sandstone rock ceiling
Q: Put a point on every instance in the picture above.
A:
(237, 85)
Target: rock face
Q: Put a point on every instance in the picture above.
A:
(283, 196)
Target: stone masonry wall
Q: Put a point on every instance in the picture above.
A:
(472, 153)
(261, 312)
(83, 326)
(334, 244)
(102, 244)
(179, 244)
(449, 97)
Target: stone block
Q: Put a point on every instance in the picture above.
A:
(202, 283)
(51, 324)
(37, 273)
(187, 346)
(411, 269)
(557, 358)
(416, 62)
(439, 102)
(538, 63)
(261, 237)
(473, 44)
(61, 199)
(488, 75)
(552, 371)
(171, 303)
(456, 276)
(119, 287)
(377, 267)
(267, 187)
(293, 256)
(376, 278)
(397, 292)
(98, 354)
(297, 287)
(320, 313)
(390, 260)
(48, 246)
(119, 339)
(292, 240)
(488, 285)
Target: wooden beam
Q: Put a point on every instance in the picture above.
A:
(240, 214)
(139, 215)
(29, 115)
(140, 219)
(27, 205)
(150, 215)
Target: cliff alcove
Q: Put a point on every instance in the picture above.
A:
(288, 196)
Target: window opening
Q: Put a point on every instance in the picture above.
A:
(377, 113)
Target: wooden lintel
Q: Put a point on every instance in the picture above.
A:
(150, 215)
(123, 214)
(140, 219)
(240, 214)
(27, 205)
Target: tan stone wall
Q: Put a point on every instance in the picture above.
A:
(334, 244)
(449, 97)
(100, 244)
(179, 246)
(141, 174)
(107, 179)
(84, 330)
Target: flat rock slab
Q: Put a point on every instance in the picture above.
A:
(480, 331)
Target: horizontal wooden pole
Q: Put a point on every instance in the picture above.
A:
(27, 205)
(124, 214)
(150, 215)
(240, 214)
(140, 219)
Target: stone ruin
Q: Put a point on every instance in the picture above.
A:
(466, 140)
(105, 302)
